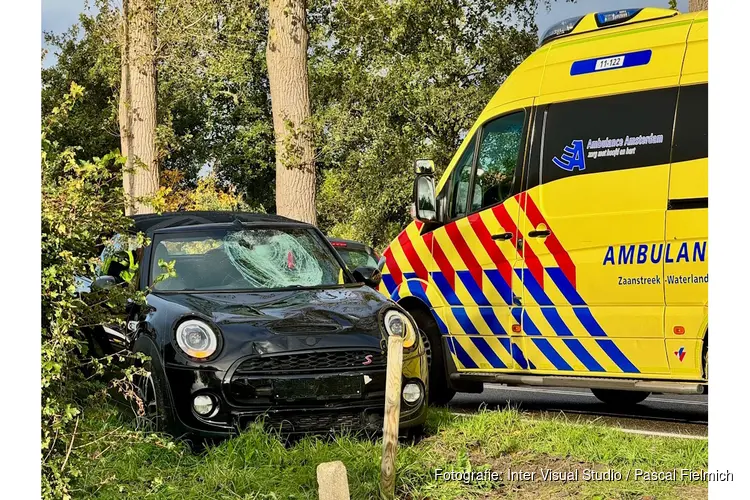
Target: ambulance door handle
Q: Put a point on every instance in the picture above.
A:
(539, 234)
(502, 236)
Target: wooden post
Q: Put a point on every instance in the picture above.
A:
(390, 421)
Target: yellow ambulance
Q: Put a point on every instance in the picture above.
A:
(566, 243)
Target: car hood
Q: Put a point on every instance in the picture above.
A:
(276, 321)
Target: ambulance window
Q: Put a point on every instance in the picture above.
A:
(691, 129)
(497, 160)
(460, 182)
(609, 133)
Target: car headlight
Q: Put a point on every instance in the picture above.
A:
(196, 339)
(397, 323)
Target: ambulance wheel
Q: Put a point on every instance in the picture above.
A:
(413, 435)
(619, 398)
(439, 391)
(705, 358)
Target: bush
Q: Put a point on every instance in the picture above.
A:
(208, 193)
(81, 201)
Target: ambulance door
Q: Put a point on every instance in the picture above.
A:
(475, 253)
(593, 221)
(686, 265)
(686, 271)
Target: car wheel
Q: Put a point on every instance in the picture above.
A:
(427, 346)
(619, 398)
(439, 391)
(148, 403)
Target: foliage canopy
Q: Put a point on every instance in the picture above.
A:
(390, 81)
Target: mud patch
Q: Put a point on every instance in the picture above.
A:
(527, 476)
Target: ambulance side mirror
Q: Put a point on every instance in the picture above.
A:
(424, 167)
(424, 198)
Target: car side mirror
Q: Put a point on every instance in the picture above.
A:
(104, 282)
(370, 276)
(424, 198)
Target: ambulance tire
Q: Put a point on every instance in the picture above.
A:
(705, 357)
(439, 393)
(619, 398)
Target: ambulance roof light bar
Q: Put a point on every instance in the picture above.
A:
(560, 29)
(615, 16)
(601, 20)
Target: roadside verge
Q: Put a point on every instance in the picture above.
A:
(455, 460)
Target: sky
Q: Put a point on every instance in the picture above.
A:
(59, 15)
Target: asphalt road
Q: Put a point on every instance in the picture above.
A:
(665, 413)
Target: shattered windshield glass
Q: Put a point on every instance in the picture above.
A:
(251, 258)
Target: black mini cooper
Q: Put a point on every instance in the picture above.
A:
(256, 316)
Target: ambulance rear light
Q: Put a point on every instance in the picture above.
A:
(615, 16)
(562, 28)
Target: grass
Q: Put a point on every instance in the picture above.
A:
(122, 463)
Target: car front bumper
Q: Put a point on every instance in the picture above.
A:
(298, 401)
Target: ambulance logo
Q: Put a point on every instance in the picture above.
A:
(680, 354)
(572, 157)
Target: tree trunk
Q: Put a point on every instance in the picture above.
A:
(286, 57)
(694, 5)
(124, 105)
(138, 105)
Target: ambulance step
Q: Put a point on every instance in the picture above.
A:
(664, 386)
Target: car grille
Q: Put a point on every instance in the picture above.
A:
(342, 420)
(333, 361)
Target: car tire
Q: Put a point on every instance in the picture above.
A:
(149, 406)
(439, 392)
(619, 398)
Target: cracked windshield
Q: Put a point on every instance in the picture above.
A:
(243, 259)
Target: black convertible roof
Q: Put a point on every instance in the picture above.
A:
(149, 223)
